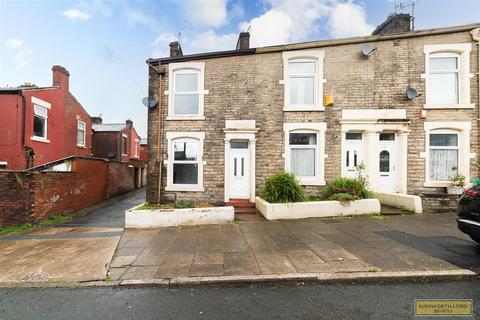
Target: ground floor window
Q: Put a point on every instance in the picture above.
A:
(443, 155)
(304, 151)
(185, 164)
(447, 151)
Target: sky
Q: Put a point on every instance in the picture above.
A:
(104, 43)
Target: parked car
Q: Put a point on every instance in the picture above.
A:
(468, 219)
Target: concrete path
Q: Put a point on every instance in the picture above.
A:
(359, 244)
(78, 250)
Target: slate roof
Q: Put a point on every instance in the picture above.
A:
(108, 127)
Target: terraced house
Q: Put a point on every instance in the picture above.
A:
(223, 122)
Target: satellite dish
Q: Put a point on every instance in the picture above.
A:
(411, 93)
(367, 50)
(150, 102)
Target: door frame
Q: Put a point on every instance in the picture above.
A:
(240, 130)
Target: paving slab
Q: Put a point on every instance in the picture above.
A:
(262, 249)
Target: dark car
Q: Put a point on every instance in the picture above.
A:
(468, 220)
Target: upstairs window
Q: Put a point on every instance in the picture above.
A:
(40, 120)
(443, 77)
(186, 91)
(303, 80)
(447, 76)
(137, 146)
(81, 133)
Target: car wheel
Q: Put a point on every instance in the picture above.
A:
(475, 238)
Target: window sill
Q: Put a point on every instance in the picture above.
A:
(311, 182)
(303, 108)
(40, 139)
(437, 184)
(185, 118)
(81, 147)
(450, 106)
(184, 187)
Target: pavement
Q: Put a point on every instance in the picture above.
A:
(425, 244)
(75, 251)
(259, 301)
(249, 250)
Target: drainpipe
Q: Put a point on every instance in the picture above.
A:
(160, 73)
(476, 37)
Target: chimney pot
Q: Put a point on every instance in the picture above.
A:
(175, 49)
(96, 120)
(243, 42)
(129, 123)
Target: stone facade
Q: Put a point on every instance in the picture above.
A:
(246, 87)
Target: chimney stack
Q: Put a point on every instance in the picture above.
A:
(243, 42)
(61, 77)
(96, 120)
(175, 49)
(397, 22)
(129, 123)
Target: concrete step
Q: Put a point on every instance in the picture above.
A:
(240, 203)
(245, 210)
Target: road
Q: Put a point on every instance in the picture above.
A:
(289, 301)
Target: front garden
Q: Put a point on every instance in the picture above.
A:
(282, 197)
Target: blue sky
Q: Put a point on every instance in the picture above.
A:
(104, 44)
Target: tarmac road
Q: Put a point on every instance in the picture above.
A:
(289, 301)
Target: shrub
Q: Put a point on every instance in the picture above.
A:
(283, 188)
(346, 189)
(184, 204)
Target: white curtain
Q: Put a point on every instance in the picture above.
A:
(303, 162)
(442, 164)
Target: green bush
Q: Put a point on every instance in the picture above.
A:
(184, 204)
(346, 189)
(283, 188)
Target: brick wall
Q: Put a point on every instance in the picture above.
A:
(247, 88)
(120, 179)
(32, 196)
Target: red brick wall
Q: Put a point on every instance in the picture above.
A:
(32, 196)
(120, 179)
(15, 198)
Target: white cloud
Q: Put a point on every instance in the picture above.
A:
(210, 13)
(76, 14)
(203, 42)
(161, 44)
(21, 53)
(210, 41)
(138, 17)
(287, 21)
(14, 43)
(348, 20)
(273, 27)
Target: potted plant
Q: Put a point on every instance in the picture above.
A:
(458, 182)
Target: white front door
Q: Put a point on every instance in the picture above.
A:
(239, 169)
(387, 163)
(353, 155)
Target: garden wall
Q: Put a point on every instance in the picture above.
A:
(27, 197)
